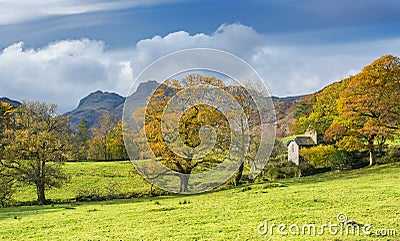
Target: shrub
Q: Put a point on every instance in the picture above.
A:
(392, 154)
(280, 170)
(322, 155)
(7, 187)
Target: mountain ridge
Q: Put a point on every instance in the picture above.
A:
(97, 103)
(12, 102)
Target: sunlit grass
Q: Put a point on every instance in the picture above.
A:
(89, 178)
(368, 196)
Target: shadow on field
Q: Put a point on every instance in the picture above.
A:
(333, 175)
(24, 211)
(19, 212)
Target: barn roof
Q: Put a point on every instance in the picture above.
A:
(303, 141)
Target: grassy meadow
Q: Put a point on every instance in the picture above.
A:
(367, 196)
(92, 179)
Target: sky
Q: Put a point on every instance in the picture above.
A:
(58, 51)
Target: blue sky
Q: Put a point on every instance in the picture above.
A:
(60, 50)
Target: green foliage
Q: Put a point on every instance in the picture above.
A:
(304, 107)
(279, 151)
(357, 113)
(83, 131)
(83, 137)
(278, 167)
(281, 169)
(318, 111)
(97, 145)
(321, 155)
(107, 142)
(7, 186)
(392, 155)
(115, 143)
(36, 146)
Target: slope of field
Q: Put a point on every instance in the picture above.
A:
(367, 196)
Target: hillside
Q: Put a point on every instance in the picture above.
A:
(368, 196)
(285, 108)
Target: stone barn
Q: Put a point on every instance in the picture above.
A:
(294, 145)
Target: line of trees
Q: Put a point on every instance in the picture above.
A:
(103, 142)
(358, 114)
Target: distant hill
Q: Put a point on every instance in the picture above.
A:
(10, 101)
(93, 106)
(285, 108)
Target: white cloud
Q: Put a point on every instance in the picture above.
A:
(61, 72)
(12, 11)
(236, 38)
(286, 69)
(65, 71)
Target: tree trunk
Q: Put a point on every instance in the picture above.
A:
(372, 157)
(40, 193)
(371, 147)
(239, 174)
(184, 181)
(40, 185)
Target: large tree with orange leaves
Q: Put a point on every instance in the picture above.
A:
(368, 109)
(190, 124)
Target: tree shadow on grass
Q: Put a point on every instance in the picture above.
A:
(336, 175)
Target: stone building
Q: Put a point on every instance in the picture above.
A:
(294, 145)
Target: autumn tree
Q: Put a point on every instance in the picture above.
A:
(115, 142)
(249, 128)
(97, 145)
(190, 128)
(369, 110)
(83, 137)
(318, 111)
(8, 185)
(7, 180)
(36, 147)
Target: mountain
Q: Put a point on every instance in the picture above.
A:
(93, 106)
(10, 101)
(139, 97)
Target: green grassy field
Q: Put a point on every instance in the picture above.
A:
(368, 196)
(92, 178)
